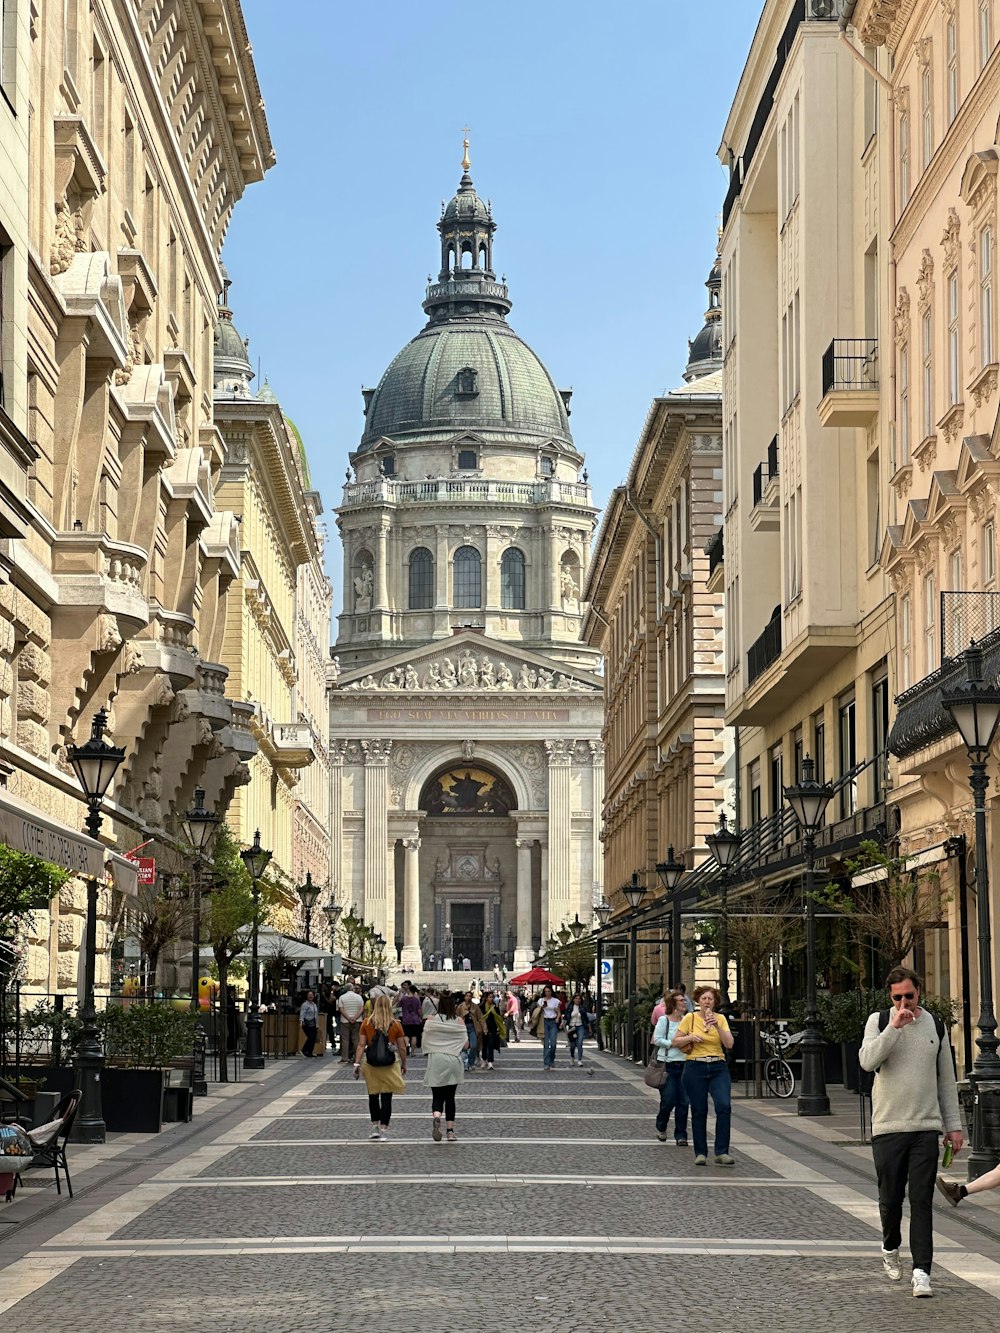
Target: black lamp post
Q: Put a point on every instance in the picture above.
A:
(564, 935)
(724, 845)
(308, 892)
(975, 710)
(576, 927)
(201, 826)
(95, 764)
(634, 893)
(255, 859)
(603, 911)
(671, 872)
(332, 913)
(808, 800)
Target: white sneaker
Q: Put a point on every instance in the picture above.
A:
(374, 1133)
(890, 1265)
(383, 1136)
(921, 1283)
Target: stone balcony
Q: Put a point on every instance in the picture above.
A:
(208, 699)
(178, 659)
(103, 575)
(293, 744)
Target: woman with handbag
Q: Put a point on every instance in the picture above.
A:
(551, 1017)
(576, 1028)
(444, 1042)
(381, 1040)
(667, 1066)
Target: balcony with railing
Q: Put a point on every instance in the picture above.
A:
(716, 563)
(765, 649)
(293, 744)
(850, 382)
(466, 490)
(766, 513)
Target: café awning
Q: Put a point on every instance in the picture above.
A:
(26, 829)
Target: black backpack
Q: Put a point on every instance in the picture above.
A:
(378, 1051)
(866, 1079)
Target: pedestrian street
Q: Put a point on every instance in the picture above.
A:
(557, 1208)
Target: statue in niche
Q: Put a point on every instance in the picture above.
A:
(363, 585)
(333, 670)
(505, 681)
(570, 593)
(487, 678)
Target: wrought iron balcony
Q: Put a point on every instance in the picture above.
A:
(850, 382)
(765, 649)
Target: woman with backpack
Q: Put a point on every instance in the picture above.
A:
(381, 1039)
(445, 1040)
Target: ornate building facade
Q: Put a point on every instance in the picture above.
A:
(146, 126)
(465, 713)
(655, 613)
(276, 619)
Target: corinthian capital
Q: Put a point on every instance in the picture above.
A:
(377, 751)
(559, 752)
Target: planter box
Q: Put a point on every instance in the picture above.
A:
(852, 1070)
(133, 1100)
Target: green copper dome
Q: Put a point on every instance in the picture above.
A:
(467, 369)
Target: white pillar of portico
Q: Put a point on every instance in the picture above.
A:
(523, 952)
(411, 955)
(378, 906)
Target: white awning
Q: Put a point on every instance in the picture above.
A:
(26, 829)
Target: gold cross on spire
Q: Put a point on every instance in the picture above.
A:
(465, 144)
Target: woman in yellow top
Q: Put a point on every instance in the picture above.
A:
(702, 1037)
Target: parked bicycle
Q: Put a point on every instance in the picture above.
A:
(778, 1073)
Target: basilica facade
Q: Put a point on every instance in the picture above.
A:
(465, 712)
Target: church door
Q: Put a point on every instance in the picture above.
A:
(468, 925)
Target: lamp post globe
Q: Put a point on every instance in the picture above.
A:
(671, 871)
(255, 858)
(576, 927)
(603, 911)
(95, 764)
(563, 934)
(975, 709)
(808, 800)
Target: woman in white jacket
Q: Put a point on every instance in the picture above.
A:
(445, 1039)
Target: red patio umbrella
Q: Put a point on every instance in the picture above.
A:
(536, 976)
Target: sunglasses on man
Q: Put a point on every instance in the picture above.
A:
(906, 995)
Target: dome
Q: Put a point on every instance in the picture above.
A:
(231, 368)
(466, 374)
(705, 351)
(466, 206)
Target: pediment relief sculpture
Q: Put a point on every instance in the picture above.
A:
(469, 671)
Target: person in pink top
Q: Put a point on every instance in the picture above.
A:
(659, 1009)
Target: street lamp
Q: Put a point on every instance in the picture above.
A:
(724, 845)
(671, 872)
(255, 859)
(332, 913)
(576, 927)
(95, 764)
(808, 800)
(200, 826)
(634, 893)
(564, 935)
(975, 710)
(603, 911)
(308, 892)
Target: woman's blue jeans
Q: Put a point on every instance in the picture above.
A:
(549, 1039)
(702, 1078)
(469, 1056)
(576, 1036)
(673, 1098)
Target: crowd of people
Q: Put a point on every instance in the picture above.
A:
(381, 1030)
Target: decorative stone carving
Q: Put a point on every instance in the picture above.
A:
(985, 387)
(109, 638)
(559, 752)
(132, 658)
(333, 670)
(925, 280)
(376, 751)
(950, 241)
(468, 749)
(568, 588)
(69, 237)
(902, 317)
(471, 672)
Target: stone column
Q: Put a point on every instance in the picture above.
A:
(411, 955)
(378, 903)
(543, 876)
(560, 756)
(340, 889)
(492, 589)
(441, 608)
(523, 951)
(389, 932)
(381, 593)
(597, 789)
(555, 592)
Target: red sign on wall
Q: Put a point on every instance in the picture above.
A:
(147, 870)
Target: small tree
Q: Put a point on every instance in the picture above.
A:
(27, 883)
(574, 962)
(160, 922)
(760, 932)
(886, 903)
(229, 918)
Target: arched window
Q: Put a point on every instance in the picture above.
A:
(512, 580)
(421, 579)
(484, 259)
(468, 590)
(467, 260)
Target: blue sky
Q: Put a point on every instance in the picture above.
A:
(594, 130)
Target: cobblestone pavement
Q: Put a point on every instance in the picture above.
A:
(557, 1209)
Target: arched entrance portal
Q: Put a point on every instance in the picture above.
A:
(467, 856)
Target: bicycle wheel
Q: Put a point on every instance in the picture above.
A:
(779, 1077)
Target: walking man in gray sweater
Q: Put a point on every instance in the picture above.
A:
(914, 1100)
